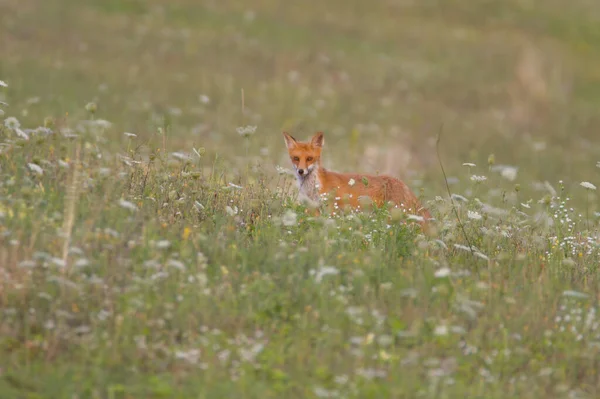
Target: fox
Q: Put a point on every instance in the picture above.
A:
(347, 189)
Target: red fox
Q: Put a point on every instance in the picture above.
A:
(351, 189)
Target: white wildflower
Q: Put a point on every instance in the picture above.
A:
(102, 123)
(81, 263)
(246, 131)
(440, 330)
(177, 264)
(469, 164)
(231, 211)
(324, 271)
(128, 205)
(281, 170)
(473, 215)
(12, 123)
(341, 379)
(509, 173)
(35, 168)
(588, 185)
(443, 272)
(351, 182)
(289, 218)
(3, 84)
(249, 354)
(325, 393)
(163, 244)
(192, 356)
(130, 134)
(478, 179)
(204, 99)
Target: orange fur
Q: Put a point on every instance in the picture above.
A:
(346, 189)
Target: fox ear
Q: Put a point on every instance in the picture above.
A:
(289, 141)
(318, 140)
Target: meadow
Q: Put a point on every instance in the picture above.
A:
(151, 241)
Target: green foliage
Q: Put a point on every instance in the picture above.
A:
(174, 260)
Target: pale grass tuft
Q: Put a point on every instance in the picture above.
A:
(70, 204)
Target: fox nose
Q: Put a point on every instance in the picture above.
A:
(300, 172)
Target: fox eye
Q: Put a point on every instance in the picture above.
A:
(309, 159)
(296, 159)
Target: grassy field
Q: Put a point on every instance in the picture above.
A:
(149, 250)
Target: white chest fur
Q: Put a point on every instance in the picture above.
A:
(309, 187)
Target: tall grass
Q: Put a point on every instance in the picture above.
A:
(187, 281)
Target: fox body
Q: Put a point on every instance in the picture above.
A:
(346, 189)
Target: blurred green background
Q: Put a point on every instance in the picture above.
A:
(517, 78)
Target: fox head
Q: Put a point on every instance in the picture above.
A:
(305, 156)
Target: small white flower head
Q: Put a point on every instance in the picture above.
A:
(587, 185)
(163, 244)
(204, 99)
(509, 173)
(473, 215)
(246, 131)
(128, 134)
(478, 179)
(12, 123)
(289, 218)
(443, 272)
(284, 171)
(102, 124)
(35, 169)
(469, 164)
(440, 330)
(3, 84)
(324, 271)
(128, 205)
(351, 182)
